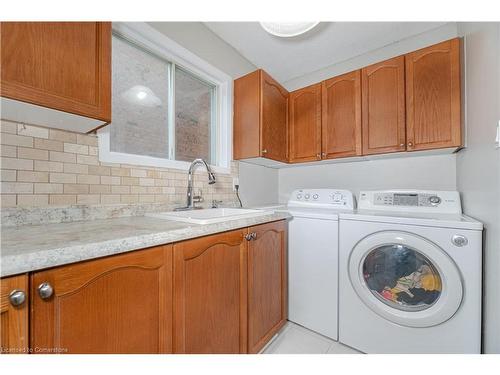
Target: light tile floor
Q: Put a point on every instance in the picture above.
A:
(295, 339)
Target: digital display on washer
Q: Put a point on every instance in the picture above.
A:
(401, 199)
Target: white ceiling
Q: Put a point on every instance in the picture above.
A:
(329, 43)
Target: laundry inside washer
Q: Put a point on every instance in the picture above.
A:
(398, 274)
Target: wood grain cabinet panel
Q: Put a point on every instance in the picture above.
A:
(210, 294)
(267, 283)
(305, 124)
(274, 119)
(260, 118)
(247, 116)
(14, 319)
(383, 107)
(119, 304)
(60, 65)
(341, 116)
(433, 114)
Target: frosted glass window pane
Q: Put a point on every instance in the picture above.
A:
(140, 101)
(193, 117)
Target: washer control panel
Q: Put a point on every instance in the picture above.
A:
(412, 201)
(322, 198)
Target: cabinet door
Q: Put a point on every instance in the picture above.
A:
(383, 107)
(433, 114)
(60, 65)
(14, 315)
(119, 304)
(267, 283)
(274, 123)
(341, 120)
(247, 116)
(210, 294)
(305, 124)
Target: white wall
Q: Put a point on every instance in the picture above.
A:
(478, 166)
(412, 172)
(258, 185)
(200, 40)
(422, 40)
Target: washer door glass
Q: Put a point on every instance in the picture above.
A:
(405, 278)
(402, 277)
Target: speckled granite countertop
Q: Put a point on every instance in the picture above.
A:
(31, 248)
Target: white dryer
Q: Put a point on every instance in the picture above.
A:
(410, 274)
(313, 257)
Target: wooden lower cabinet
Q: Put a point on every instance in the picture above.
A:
(230, 290)
(223, 293)
(267, 283)
(14, 314)
(210, 294)
(119, 304)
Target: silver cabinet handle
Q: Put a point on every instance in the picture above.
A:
(45, 290)
(17, 297)
(250, 236)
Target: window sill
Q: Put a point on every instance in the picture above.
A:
(107, 156)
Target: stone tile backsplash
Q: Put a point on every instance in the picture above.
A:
(47, 168)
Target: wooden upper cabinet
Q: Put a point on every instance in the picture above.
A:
(210, 294)
(267, 283)
(260, 118)
(383, 107)
(305, 124)
(274, 119)
(341, 116)
(247, 116)
(433, 108)
(14, 315)
(118, 304)
(64, 66)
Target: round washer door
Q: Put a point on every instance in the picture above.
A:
(405, 278)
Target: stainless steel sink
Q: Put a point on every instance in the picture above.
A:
(209, 215)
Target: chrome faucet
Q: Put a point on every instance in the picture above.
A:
(190, 198)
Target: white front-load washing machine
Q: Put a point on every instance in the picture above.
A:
(410, 274)
(313, 257)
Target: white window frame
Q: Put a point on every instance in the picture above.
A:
(144, 35)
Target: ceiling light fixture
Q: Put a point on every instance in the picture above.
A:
(288, 29)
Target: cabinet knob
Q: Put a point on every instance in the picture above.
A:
(410, 144)
(264, 151)
(250, 236)
(318, 156)
(45, 290)
(401, 145)
(323, 154)
(17, 297)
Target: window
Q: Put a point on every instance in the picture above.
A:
(195, 118)
(168, 106)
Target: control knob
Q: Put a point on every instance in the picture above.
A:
(315, 196)
(307, 196)
(434, 200)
